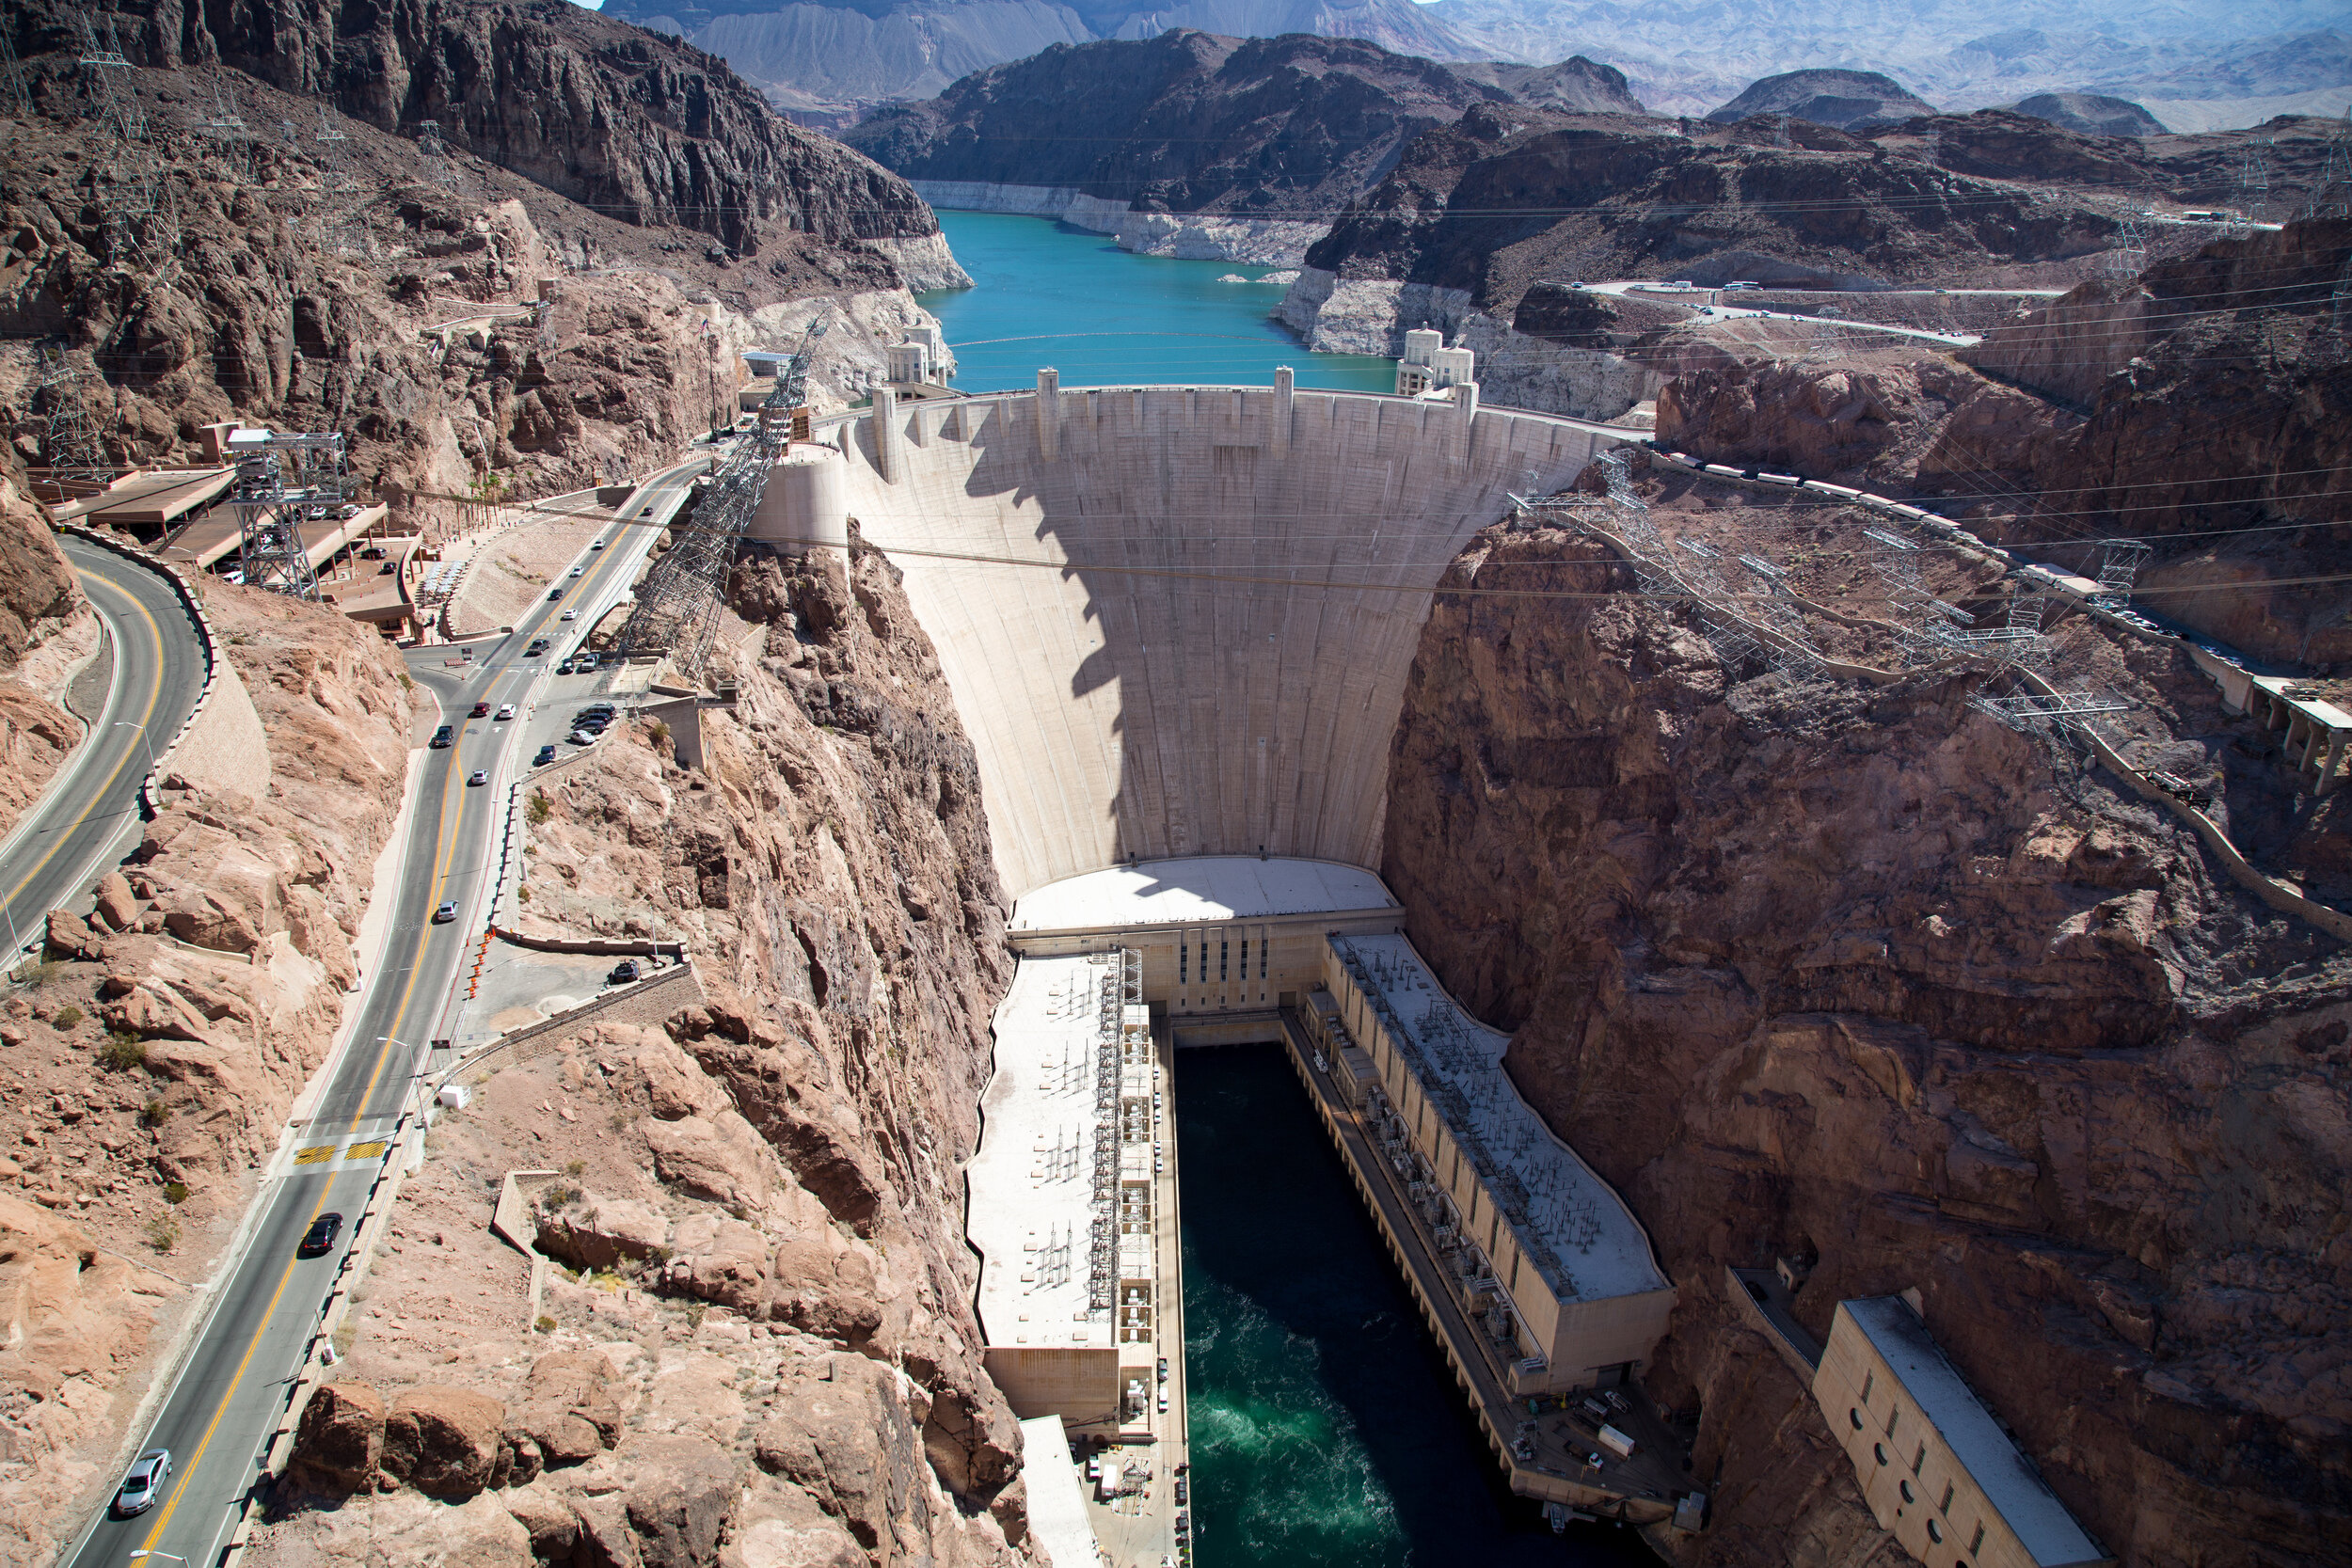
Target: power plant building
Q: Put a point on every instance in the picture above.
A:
(1937, 1469)
(1545, 1256)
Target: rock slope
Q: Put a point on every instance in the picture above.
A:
(47, 632)
(151, 1061)
(1241, 149)
(766, 1302)
(1859, 977)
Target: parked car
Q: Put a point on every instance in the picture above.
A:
(546, 755)
(319, 1238)
(444, 914)
(624, 972)
(443, 736)
(506, 710)
(478, 777)
(587, 661)
(144, 1480)
(580, 737)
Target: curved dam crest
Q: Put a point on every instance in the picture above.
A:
(1218, 663)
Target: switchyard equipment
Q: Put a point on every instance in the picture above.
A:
(284, 481)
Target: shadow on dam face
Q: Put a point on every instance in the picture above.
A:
(1177, 620)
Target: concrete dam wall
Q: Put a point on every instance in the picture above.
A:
(1177, 620)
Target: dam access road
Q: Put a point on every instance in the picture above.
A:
(90, 810)
(227, 1398)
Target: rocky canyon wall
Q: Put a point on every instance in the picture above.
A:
(47, 633)
(762, 1348)
(1858, 976)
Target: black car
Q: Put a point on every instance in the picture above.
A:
(624, 971)
(443, 736)
(556, 594)
(321, 1236)
(546, 755)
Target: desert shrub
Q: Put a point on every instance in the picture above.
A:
(69, 1015)
(546, 1324)
(661, 732)
(175, 1192)
(163, 1232)
(154, 1112)
(121, 1053)
(522, 894)
(540, 809)
(577, 1168)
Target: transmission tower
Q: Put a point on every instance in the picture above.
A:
(2254, 189)
(127, 183)
(2121, 564)
(2129, 257)
(69, 447)
(19, 98)
(284, 482)
(343, 216)
(2332, 196)
(228, 130)
(435, 152)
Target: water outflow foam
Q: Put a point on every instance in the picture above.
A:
(1216, 665)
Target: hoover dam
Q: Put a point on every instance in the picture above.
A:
(1177, 620)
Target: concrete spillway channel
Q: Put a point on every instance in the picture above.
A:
(1178, 623)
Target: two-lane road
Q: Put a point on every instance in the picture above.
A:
(90, 812)
(219, 1416)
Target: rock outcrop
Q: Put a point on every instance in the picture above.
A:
(1844, 100)
(47, 633)
(2093, 113)
(1858, 977)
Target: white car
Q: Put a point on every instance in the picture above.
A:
(597, 546)
(506, 710)
(571, 615)
(145, 1479)
(576, 570)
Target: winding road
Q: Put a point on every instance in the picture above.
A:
(231, 1389)
(88, 816)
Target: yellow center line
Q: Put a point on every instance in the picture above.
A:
(154, 695)
(443, 850)
(416, 965)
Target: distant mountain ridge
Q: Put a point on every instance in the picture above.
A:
(1278, 135)
(1843, 99)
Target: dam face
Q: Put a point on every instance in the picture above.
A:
(1177, 620)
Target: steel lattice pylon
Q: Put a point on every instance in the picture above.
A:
(19, 97)
(127, 183)
(343, 224)
(2038, 710)
(2129, 257)
(2121, 564)
(435, 151)
(69, 447)
(284, 481)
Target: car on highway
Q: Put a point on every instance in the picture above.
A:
(555, 593)
(576, 570)
(319, 1238)
(145, 1478)
(546, 756)
(444, 914)
(538, 647)
(479, 776)
(597, 545)
(481, 710)
(571, 615)
(443, 736)
(506, 710)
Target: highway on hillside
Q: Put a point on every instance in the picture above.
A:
(89, 813)
(230, 1394)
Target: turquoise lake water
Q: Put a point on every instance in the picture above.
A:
(1049, 295)
(1327, 1430)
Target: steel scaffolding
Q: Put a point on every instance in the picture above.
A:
(2038, 710)
(284, 481)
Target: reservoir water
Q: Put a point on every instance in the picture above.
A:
(1050, 294)
(1326, 1427)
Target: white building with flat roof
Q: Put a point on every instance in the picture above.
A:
(1217, 933)
(1059, 1195)
(1937, 1469)
(1544, 1254)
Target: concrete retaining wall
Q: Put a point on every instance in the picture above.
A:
(205, 638)
(608, 946)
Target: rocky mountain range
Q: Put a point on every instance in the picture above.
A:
(2239, 65)
(1846, 100)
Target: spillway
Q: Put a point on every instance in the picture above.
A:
(1177, 620)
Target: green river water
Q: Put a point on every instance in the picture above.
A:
(1326, 1427)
